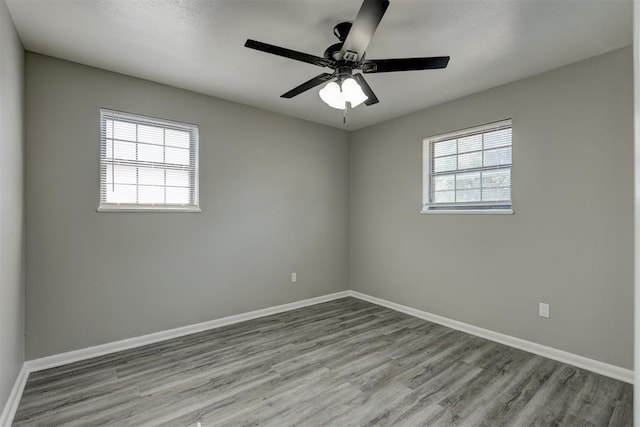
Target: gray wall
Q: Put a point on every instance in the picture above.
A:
(274, 194)
(11, 203)
(275, 199)
(569, 242)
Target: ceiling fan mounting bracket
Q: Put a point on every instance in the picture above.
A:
(351, 56)
(369, 68)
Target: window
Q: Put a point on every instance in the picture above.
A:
(147, 163)
(468, 170)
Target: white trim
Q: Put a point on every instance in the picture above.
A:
(467, 211)
(148, 209)
(112, 347)
(473, 130)
(8, 413)
(10, 408)
(636, 173)
(137, 117)
(592, 365)
(194, 153)
(428, 175)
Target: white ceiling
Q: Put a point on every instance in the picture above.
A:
(198, 44)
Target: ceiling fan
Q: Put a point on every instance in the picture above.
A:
(347, 56)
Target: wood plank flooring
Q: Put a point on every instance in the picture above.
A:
(341, 363)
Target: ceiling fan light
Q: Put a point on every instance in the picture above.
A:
(353, 92)
(332, 96)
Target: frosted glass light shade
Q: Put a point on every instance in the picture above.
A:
(332, 95)
(353, 93)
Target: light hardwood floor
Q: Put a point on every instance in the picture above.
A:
(341, 363)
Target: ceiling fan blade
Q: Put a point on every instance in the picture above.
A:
(371, 97)
(288, 53)
(361, 32)
(404, 64)
(319, 79)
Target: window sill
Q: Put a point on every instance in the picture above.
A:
(148, 209)
(468, 212)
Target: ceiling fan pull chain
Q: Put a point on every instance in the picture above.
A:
(344, 116)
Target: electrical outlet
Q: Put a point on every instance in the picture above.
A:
(294, 277)
(543, 310)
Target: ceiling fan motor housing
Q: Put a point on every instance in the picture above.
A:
(333, 51)
(343, 72)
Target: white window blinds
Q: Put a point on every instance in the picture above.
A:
(469, 169)
(147, 163)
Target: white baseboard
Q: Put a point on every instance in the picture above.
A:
(10, 408)
(592, 365)
(112, 347)
(8, 413)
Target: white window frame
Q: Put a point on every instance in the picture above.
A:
(193, 130)
(488, 207)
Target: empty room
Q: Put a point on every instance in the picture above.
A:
(318, 212)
